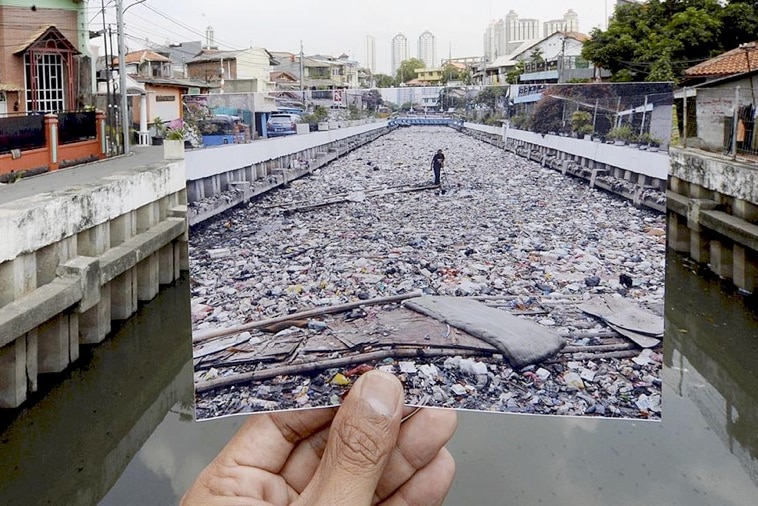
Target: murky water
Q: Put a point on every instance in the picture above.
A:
(118, 429)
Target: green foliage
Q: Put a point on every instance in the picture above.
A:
(657, 40)
(547, 115)
(451, 73)
(407, 70)
(622, 133)
(513, 75)
(490, 96)
(580, 120)
(319, 114)
(521, 121)
(536, 56)
(384, 81)
(353, 112)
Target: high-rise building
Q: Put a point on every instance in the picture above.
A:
(399, 51)
(427, 50)
(569, 23)
(369, 49)
(495, 42)
(504, 36)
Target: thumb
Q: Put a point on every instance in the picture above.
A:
(361, 438)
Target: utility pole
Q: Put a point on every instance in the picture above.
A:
(302, 67)
(122, 74)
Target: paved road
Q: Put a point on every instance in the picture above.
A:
(81, 174)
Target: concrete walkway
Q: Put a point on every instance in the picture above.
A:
(79, 175)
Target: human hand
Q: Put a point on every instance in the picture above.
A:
(364, 457)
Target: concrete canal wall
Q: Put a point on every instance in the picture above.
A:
(74, 259)
(713, 213)
(635, 174)
(242, 171)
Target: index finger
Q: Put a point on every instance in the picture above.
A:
(265, 441)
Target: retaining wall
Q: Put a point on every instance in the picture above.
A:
(74, 259)
(242, 171)
(637, 175)
(713, 214)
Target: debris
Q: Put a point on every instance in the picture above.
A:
(521, 341)
(340, 379)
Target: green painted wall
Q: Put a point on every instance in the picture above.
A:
(46, 4)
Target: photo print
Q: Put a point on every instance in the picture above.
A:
(528, 279)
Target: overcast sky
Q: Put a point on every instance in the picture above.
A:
(335, 27)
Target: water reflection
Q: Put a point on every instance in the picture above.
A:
(83, 435)
(71, 446)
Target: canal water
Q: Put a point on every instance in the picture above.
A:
(118, 429)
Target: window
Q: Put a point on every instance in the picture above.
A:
(45, 89)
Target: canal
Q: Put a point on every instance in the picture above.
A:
(118, 429)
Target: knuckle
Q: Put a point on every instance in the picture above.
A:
(359, 444)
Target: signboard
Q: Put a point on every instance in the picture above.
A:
(338, 96)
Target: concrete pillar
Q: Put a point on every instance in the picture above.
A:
(123, 290)
(700, 246)
(147, 269)
(745, 210)
(679, 186)
(700, 249)
(148, 283)
(32, 363)
(122, 228)
(745, 268)
(95, 323)
(166, 264)
(54, 347)
(721, 258)
(13, 373)
(144, 135)
(678, 234)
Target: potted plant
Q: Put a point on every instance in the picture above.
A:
(581, 123)
(585, 132)
(160, 131)
(620, 135)
(173, 143)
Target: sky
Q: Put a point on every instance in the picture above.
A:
(334, 27)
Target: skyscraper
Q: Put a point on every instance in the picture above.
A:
(569, 23)
(427, 50)
(369, 49)
(399, 51)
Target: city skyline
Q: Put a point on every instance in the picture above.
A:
(238, 26)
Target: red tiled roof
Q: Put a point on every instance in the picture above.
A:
(736, 61)
(141, 56)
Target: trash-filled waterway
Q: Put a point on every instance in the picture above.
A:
(519, 238)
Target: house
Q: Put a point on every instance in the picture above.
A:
(496, 72)
(556, 58)
(180, 54)
(152, 89)
(736, 61)
(55, 38)
(427, 77)
(245, 70)
(712, 88)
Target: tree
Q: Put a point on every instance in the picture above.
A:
(407, 70)
(512, 76)
(383, 81)
(490, 96)
(450, 73)
(659, 39)
(372, 99)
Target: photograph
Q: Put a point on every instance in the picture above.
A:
(497, 248)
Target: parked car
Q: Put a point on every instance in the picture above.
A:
(283, 124)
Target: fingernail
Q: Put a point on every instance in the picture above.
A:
(382, 391)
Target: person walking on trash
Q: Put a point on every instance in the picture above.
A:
(438, 161)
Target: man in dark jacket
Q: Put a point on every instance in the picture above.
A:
(438, 161)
